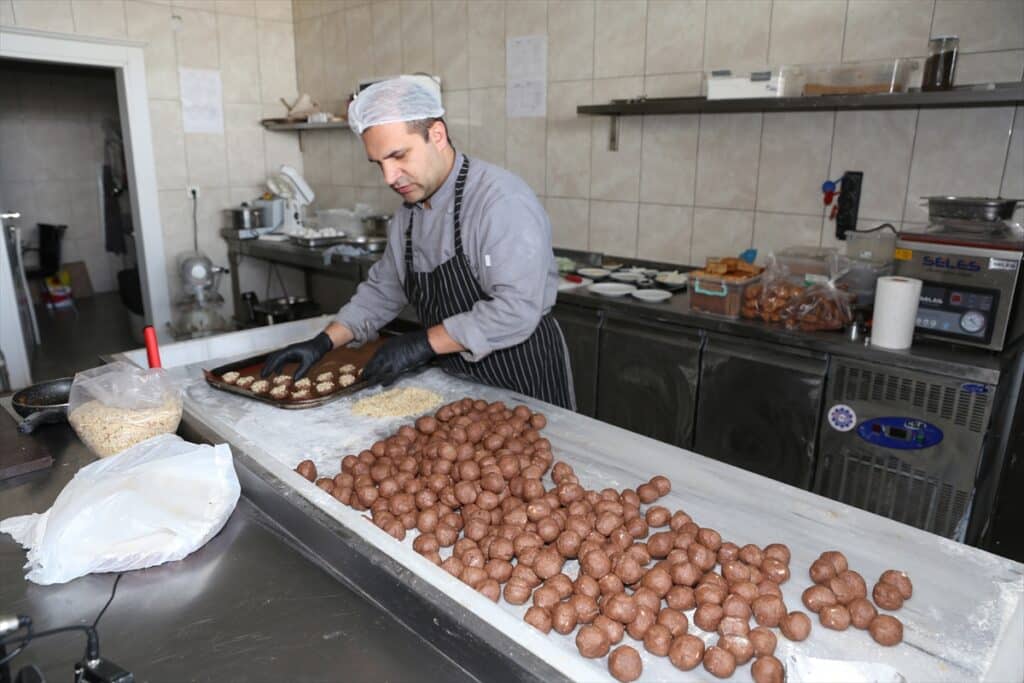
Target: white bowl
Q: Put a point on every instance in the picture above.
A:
(626, 276)
(611, 289)
(593, 273)
(652, 295)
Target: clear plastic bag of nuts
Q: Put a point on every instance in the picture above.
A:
(821, 307)
(770, 299)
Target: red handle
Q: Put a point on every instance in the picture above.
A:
(152, 347)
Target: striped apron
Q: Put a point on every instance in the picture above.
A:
(537, 367)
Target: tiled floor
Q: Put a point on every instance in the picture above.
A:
(72, 343)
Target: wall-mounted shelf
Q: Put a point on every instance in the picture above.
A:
(998, 95)
(270, 124)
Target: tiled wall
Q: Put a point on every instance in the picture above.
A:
(252, 43)
(51, 156)
(679, 188)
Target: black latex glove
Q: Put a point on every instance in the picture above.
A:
(305, 353)
(398, 355)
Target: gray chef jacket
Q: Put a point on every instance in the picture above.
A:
(507, 239)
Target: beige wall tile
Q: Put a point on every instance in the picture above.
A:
(239, 8)
(736, 34)
(244, 143)
(278, 10)
(794, 161)
(989, 67)
(339, 80)
(341, 153)
(957, 152)
(878, 143)
(570, 39)
(569, 222)
(309, 58)
(568, 157)
(456, 108)
(487, 124)
(618, 49)
(986, 25)
(306, 9)
(486, 43)
(99, 18)
(668, 171)
(613, 174)
(664, 233)
(277, 62)
(719, 232)
(387, 38)
(45, 15)
(280, 147)
(451, 38)
(316, 157)
(613, 227)
(807, 31)
(359, 27)
(240, 65)
(526, 151)
(1013, 174)
(168, 144)
(675, 36)
(206, 157)
(727, 160)
(526, 18)
(7, 13)
(151, 24)
(775, 231)
(417, 37)
(195, 36)
(674, 85)
(880, 29)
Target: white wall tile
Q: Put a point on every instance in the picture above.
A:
(278, 10)
(417, 37)
(526, 18)
(341, 155)
(306, 9)
(956, 153)
(989, 67)
(879, 144)
(238, 8)
(99, 18)
(451, 37)
(807, 31)
(456, 107)
(569, 222)
(1013, 175)
(664, 233)
(151, 24)
(487, 124)
(244, 145)
(881, 29)
(280, 147)
(568, 157)
(359, 28)
(729, 147)
(309, 61)
(720, 232)
(794, 161)
(7, 13)
(986, 25)
(675, 36)
(526, 151)
(387, 38)
(207, 161)
(277, 62)
(195, 36)
(775, 231)
(668, 171)
(339, 80)
(618, 49)
(570, 39)
(613, 227)
(168, 144)
(737, 34)
(316, 157)
(486, 43)
(240, 59)
(674, 85)
(45, 15)
(613, 174)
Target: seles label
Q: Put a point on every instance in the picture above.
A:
(842, 417)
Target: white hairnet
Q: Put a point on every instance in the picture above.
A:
(406, 98)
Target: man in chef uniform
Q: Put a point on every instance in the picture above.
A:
(470, 249)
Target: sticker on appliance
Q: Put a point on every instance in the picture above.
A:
(1001, 264)
(842, 417)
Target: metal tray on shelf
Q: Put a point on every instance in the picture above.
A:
(317, 242)
(332, 361)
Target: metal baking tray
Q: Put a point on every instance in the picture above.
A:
(369, 243)
(317, 242)
(332, 361)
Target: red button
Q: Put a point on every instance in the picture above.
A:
(955, 299)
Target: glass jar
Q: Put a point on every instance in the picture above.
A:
(941, 63)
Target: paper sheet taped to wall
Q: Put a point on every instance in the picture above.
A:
(526, 73)
(202, 108)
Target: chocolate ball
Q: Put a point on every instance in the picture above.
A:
(539, 618)
(563, 618)
(620, 607)
(767, 669)
(861, 612)
(613, 629)
(643, 621)
(681, 598)
(674, 620)
(835, 617)
(624, 663)
(740, 647)
(768, 610)
(657, 640)
(886, 630)
(887, 596)
(764, 641)
(592, 642)
(900, 580)
(795, 626)
(708, 616)
(686, 652)
(719, 662)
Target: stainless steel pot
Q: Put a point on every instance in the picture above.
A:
(971, 208)
(245, 217)
(376, 226)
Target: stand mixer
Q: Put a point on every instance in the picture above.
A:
(198, 309)
(290, 186)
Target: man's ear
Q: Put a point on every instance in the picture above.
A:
(438, 134)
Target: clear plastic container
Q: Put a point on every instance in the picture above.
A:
(725, 84)
(718, 295)
(941, 63)
(859, 78)
(877, 246)
(861, 279)
(811, 264)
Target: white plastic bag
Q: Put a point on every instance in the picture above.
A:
(156, 502)
(113, 407)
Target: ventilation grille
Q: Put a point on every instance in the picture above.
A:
(963, 408)
(891, 488)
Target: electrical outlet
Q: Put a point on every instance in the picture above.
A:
(848, 203)
(193, 191)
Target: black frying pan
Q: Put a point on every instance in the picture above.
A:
(42, 403)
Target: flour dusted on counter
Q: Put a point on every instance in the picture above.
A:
(398, 403)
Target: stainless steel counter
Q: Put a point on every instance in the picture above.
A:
(248, 606)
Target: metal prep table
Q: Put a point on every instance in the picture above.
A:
(249, 606)
(965, 621)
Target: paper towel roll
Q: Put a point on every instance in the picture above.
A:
(896, 300)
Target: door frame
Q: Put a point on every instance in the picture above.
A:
(127, 60)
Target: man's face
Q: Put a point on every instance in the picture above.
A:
(412, 167)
